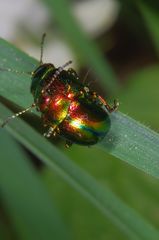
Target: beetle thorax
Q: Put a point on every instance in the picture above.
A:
(40, 75)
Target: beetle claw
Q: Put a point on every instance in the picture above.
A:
(49, 132)
(114, 107)
(68, 144)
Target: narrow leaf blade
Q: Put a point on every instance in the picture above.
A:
(88, 51)
(26, 200)
(108, 203)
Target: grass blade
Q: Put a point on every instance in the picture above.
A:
(151, 19)
(16, 88)
(27, 202)
(122, 216)
(127, 140)
(133, 143)
(87, 50)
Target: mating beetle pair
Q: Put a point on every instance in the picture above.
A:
(68, 107)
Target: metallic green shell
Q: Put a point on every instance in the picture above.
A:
(39, 76)
(86, 124)
(81, 119)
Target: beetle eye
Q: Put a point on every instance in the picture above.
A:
(39, 71)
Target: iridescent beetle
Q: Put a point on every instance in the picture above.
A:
(68, 107)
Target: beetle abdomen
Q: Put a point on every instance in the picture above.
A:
(85, 123)
(82, 134)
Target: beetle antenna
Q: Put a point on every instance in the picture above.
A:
(56, 74)
(42, 47)
(17, 114)
(14, 71)
(86, 76)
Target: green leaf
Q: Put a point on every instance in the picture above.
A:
(15, 87)
(128, 140)
(134, 143)
(151, 18)
(24, 195)
(121, 215)
(140, 99)
(86, 49)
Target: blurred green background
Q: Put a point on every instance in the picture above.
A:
(126, 35)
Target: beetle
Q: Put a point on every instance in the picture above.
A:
(67, 106)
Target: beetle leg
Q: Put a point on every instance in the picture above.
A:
(112, 108)
(52, 131)
(68, 144)
(49, 132)
(18, 114)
